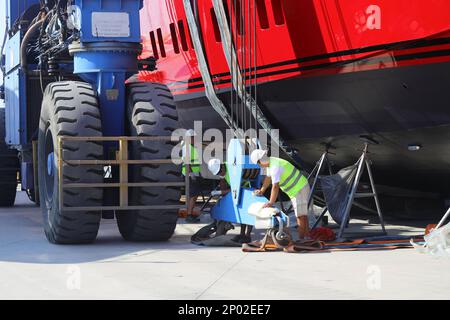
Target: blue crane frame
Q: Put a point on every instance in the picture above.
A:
(103, 61)
(106, 62)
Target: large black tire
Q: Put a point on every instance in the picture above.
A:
(70, 109)
(9, 166)
(151, 112)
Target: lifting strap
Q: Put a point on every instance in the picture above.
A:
(239, 85)
(210, 92)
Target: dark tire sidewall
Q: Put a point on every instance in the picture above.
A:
(70, 108)
(128, 221)
(49, 210)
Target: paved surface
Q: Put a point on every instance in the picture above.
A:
(31, 268)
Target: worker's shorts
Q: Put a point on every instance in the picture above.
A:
(300, 201)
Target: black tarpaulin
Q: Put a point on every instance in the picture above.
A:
(336, 189)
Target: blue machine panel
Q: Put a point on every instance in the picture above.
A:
(234, 206)
(224, 211)
(15, 94)
(15, 105)
(12, 52)
(116, 20)
(15, 8)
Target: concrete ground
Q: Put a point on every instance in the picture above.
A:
(31, 268)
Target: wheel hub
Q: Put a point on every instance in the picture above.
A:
(50, 172)
(50, 161)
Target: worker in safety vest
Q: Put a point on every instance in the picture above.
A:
(194, 176)
(283, 175)
(217, 168)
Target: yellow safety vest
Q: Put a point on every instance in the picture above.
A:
(291, 180)
(227, 176)
(194, 162)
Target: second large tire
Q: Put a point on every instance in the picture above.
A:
(151, 112)
(69, 109)
(9, 166)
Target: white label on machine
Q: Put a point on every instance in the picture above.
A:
(111, 24)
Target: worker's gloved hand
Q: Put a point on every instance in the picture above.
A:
(258, 193)
(216, 193)
(268, 205)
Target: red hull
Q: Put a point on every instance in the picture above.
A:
(311, 54)
(299, 38)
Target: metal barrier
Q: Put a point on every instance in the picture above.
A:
(123, 161)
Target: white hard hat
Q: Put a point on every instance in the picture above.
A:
(190, 133)
(257, 155)
(214, 166)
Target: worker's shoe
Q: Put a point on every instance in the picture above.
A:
(242, 239)
(192, 219)
(182, 213)
(304, 240)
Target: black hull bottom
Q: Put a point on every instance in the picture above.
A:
(397, 107)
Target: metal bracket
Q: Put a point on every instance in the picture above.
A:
(123, 162)
(148, 64)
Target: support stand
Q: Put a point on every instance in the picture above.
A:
(316, 171)
(362, 163)
(444, 218)
(316, 174)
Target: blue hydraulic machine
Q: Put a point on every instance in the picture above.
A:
(88, 139)
(234, 206)
(105, 55)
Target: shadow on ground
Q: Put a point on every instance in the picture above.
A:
(23, 241)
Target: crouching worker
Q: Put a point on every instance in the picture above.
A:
(283, 175)
(220, 170)
(194, 177)
(217, 168)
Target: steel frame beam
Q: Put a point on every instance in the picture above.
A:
(122, 161)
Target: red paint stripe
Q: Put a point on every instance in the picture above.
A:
(285, 71)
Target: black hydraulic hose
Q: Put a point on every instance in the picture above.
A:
(59, 7)
(26, 39)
